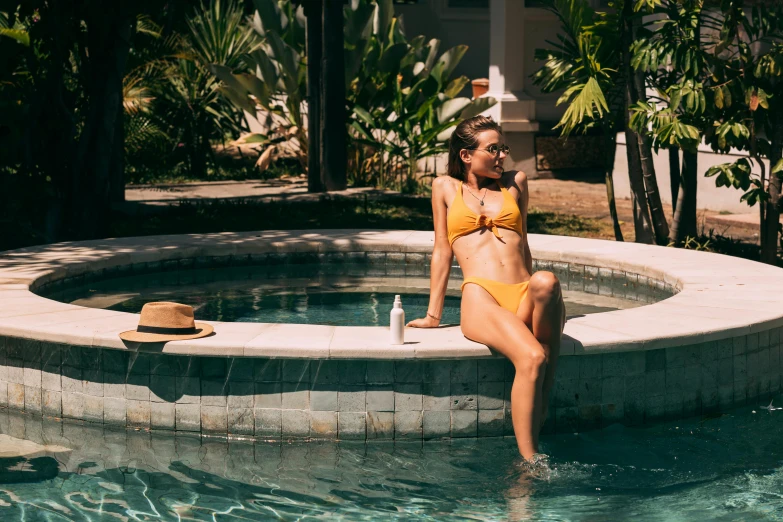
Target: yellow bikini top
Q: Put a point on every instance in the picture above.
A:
(461, 220)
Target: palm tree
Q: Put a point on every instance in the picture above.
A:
(592, 65)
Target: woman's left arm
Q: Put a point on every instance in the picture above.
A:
(520, 179)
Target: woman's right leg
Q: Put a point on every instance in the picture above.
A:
(486, 322)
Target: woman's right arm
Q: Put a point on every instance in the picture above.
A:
(441, 258)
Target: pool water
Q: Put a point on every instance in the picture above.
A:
(727, 467)
(302, 294)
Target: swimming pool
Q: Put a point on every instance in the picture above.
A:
(323, 294)
(723, 467)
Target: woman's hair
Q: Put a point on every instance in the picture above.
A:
(465, 136)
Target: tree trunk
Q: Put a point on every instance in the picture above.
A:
(313, 11)
(108, 41)
(660, 225)
(674, 175)
(641, 211)
(610, 147)
(333, 120)
(771, 225)
(684, 221)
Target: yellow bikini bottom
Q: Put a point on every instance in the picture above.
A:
(507, 295)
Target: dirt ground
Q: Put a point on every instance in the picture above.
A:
(588, 199)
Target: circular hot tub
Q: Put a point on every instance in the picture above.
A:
(301, 347)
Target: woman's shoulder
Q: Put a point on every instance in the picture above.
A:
(444, 185)
(514, 178)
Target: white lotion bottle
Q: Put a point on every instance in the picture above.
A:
(397, 322)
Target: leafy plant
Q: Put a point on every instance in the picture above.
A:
(400, 94)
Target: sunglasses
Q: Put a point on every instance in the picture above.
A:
(494, 149)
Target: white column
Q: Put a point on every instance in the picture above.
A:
(515, 110)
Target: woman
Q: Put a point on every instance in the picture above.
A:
(480, 215)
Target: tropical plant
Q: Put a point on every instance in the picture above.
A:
(400, 94)
(679, 67)
(592, 65)
(278, 86)
(727, 88)
(403, 97)
(584, 64)
(171, 98)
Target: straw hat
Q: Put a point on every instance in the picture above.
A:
(163, 321)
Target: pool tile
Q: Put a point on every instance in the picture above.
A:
(381, 398)
(437, 371)
(380, 372)
(50, 379)
(464, 371)
(268, 395)
(324, 371)
(32, 400)
(590, 367)
(739, 345)
(740, 368)
(241, 395)
(490, 395)
(163, 388)
(436, 396)
(408, 425)
(612, 390)
(764, 339)
(568, 368)
(295, 396)
(114, 411)
(613, 365)
(589, 392)
(589, 417)
(352, 372)
(137, 387)
(464, 396)
(137, 413)
(295, 370)
(408, 371)
(490, 422)
(491, 370)
(710, 374)
(295, 423)
(266, 370)
(352, 398)
(187, 417)
(407, 397)
(709, 400)
(740, 392)
(380, 425)
(162, 416)
(464, 423)
(635, 363)
(565, 392)
(240, 369)
(753, 342)
(436, 424)
(73, 403)
(352, 425)
(323, 424)
(566, 420)
(268, 423)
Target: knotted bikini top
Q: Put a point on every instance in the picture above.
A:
(461, 220)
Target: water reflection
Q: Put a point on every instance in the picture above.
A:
(724, 467)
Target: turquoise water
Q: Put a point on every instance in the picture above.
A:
(343, 295)
(718, 468)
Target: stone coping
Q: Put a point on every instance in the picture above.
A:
(718, 297)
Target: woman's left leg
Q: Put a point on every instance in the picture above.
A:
(543, 311)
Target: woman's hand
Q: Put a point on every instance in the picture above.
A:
(424, 322)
